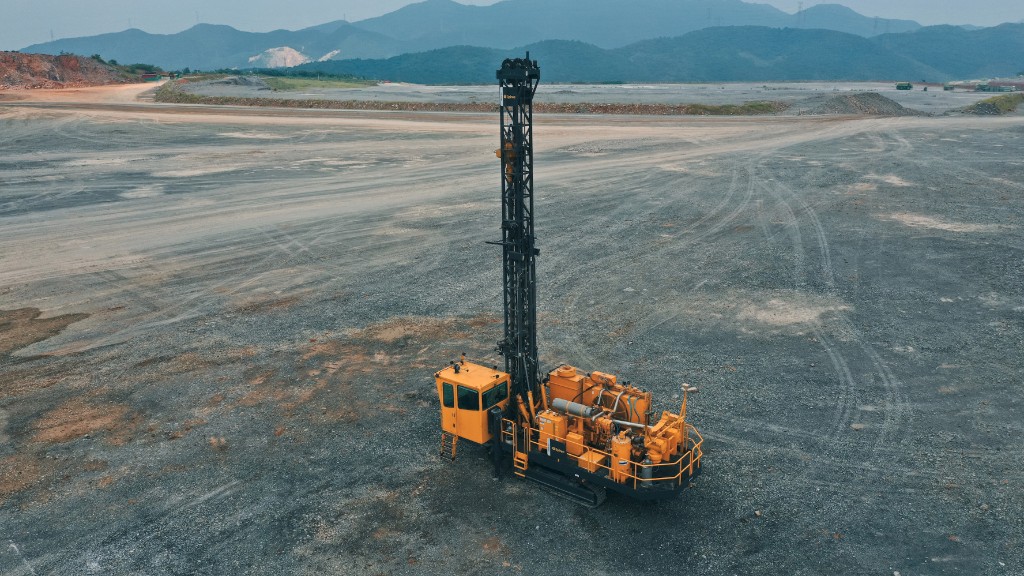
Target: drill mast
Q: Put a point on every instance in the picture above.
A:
(518, 79)
(578, 433)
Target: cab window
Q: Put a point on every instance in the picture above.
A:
(447, 395)
(496, 394)
(468, 399)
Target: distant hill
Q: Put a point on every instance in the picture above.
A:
(208, 46)
(603, 23)
(454, 65)
(751, 53)
(443, 23)
(597, 40)
(739, 53)
(842, 19)
(963, 53)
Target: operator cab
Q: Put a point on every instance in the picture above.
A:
(467, 391)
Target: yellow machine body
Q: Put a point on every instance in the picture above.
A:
(624, 402)
(603, 426)
(609, 425)
(467, 391)
(552, 426)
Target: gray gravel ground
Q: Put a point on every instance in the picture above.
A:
(934, 101)
(269, 292)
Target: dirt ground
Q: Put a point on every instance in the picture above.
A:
(219, 328)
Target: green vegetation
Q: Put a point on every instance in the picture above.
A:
(290, 79)
(171, 93)
(746, 109)
(293, 73)
(285, 83)
(997, 105)
(735, 54)
(144, 69)
(1007, 102)
(129, 69)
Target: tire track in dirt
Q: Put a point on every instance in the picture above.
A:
(792, 227)
(67, 128)
(898, 418)
(27, 203)
(848, 395)
(160, 305)
(750, 168)
(835, 438)
(863, 470)
(763, 222)
(709, 224)
(782, 196)
(894, 405)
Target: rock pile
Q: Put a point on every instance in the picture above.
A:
(862, 104)
(995, 106)
(251, 81)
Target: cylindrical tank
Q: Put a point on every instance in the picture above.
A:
(574, 408)
(621, 446)
(641, 405)
(646, 473)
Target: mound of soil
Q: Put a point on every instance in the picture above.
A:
(865, 104)
(251, 81)
(19, 70)
(982, 109)
(996, 106)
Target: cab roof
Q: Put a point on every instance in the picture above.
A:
(472, 375)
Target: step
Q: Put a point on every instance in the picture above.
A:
(449, 444)
(521, 462)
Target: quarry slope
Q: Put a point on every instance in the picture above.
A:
(34, 71)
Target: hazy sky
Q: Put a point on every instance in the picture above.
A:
(28, 22)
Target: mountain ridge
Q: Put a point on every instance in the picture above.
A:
(726, 54)
(434, 24)
(601, 43)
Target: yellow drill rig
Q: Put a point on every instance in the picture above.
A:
(579, 434)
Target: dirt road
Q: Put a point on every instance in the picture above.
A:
(218, 329)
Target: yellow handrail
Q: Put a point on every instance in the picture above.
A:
(694, 452)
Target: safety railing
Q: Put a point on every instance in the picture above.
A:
(685, 465)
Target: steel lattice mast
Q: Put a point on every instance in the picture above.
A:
(518, 79)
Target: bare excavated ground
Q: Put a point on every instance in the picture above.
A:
(219, 330)
(803, 97)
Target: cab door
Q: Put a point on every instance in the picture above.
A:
(472, 420)
(449, 415)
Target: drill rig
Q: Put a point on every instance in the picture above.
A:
(579, 434)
